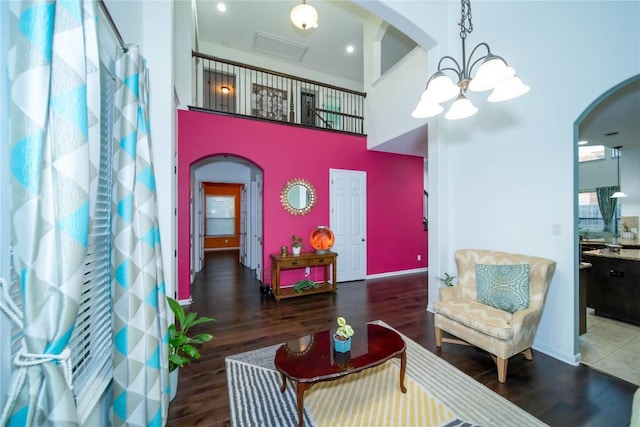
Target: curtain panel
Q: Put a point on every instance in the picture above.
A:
(141, 367)
(607, 206)
(54, 147)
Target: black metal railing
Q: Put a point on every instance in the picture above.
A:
(241, 89)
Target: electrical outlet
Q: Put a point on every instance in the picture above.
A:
(307, 271)
(419, 257)
(556, 229)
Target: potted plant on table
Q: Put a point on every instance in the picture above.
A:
(296, 244)
(342, 337)
(182, 347)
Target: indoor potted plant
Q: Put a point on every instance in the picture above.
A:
(342, 337)
(296, 244)
(447, 279)
(303, 285)
(182, 347)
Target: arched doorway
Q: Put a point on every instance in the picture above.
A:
(233, 172)
(609, 121)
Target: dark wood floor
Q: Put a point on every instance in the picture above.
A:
(557, 393)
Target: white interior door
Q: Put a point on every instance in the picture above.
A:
(348, 206)
(200, 226)
(258, 237)
(192, 232)
(243, 225)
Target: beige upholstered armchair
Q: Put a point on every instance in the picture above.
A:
(501, 333)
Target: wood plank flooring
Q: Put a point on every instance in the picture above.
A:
(557, 393)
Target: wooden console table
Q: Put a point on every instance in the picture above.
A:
(305, 259)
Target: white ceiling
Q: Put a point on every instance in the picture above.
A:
(341, 24)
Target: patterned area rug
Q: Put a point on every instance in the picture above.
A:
(437, 395)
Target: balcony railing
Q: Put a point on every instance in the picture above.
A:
(240, 89)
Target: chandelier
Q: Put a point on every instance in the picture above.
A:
(492, 73)
(304, 16)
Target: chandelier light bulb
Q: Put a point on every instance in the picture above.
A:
(461, 109)
(304, 16)
(426, 109)
(508, 89)
(491, 73)
(440, 89)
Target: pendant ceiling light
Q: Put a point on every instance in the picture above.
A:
(304, 16)
(492, 73)
(618, 194)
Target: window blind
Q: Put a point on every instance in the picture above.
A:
(91, 341)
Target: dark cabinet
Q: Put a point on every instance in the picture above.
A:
(613, 287)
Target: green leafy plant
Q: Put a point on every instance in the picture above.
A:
(182, 347)
(303, 285)
(296, 242)
(344, 331)
(447, 279)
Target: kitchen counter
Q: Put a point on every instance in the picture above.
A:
(603, 241)
(630, 254)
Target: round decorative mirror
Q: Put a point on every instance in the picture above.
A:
(298, 196)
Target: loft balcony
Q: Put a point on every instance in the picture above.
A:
(234, 88)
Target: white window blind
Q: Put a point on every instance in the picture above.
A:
(221, 215)
(91, 342)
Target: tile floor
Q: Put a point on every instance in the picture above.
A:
(612, 347)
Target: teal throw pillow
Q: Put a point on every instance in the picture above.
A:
(505, 287)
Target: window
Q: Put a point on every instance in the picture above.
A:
(91, 341)
(591, 152)
(221, 216)
(589, 216)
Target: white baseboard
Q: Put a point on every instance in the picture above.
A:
(185, 301)
(397, 273)
(571, 359)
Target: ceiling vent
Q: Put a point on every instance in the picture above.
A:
(278, 46)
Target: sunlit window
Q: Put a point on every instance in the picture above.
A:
(221, 215)
(591, 152)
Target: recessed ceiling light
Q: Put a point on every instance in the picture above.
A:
(583, 142)
(222, 7)
(350, 49)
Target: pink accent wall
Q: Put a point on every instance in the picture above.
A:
(395, 234)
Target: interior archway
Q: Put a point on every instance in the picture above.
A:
(611, 121)
(228, 169)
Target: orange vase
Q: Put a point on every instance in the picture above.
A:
(322, 239)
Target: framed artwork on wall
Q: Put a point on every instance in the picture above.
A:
(269, 103)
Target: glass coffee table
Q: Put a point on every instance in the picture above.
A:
(311, 359)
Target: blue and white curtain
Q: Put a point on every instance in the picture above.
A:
(54, 149)
(140, 372)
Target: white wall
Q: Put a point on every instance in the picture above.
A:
(598, 173)
(149, 24)
(630, 180)
(517, 159)
(391, 97)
